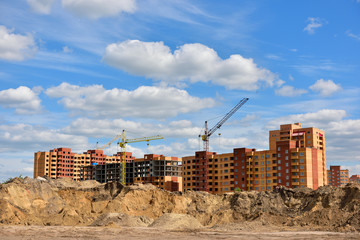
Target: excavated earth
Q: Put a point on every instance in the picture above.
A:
(63, 202)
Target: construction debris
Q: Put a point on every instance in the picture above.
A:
(69, 203)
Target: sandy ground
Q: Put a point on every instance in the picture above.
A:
(105, 233)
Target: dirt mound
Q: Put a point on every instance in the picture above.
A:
(65, 202)
(176, 221)
(121, 219)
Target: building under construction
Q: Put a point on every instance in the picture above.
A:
(296, 158)
(161, 171)
(63, 163)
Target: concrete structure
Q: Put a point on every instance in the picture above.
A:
(61, 162)
(355, 179)
(337, 176)
(296, 158)
(163, 172)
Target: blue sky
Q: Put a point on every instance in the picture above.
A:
(74, 72)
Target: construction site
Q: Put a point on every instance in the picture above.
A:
(270, 194)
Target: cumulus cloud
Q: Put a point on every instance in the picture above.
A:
(145, 101)
(190, 62)
(95, 9)
(23, 99)
(100, 128)
(20, 137)
(325, 87)
(313, 24)
(290, 91)
(41, 6)
(318, 119)
(15, 47)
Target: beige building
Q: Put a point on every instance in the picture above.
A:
(296, 158)
(61, 162)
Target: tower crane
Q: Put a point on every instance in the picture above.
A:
(108, 144)
(207, 133)
(123, 144)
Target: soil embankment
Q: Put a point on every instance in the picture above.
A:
(64, 202)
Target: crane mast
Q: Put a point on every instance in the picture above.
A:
(207, 133)
(123, 144)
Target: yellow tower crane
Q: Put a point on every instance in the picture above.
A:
(108, 144)
(123, 143)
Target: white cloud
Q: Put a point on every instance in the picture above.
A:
(290, 91)
(15, 47)
(21, 137)
(66, 49)
(95, 9)
(316, 119)
(41, 6)
(145, 101)
(313, 24)
(190, 62)
(352, 35)
(23, 99)
(100, 128)
(325, 87)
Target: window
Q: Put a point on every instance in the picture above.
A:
(302, 154)
(279, 155)
(302, 167)
(302, 160)
(286, 151)
(286, 158)
(287, 184)
(268, 181)
(279, 180)
(279, 174)
(302, 174)
(302, 180)
(287, 177)
(279, 148)
(286, 164)
(279, 161)
(287, 170)
(279, 168)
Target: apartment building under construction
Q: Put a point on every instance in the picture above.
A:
(62, 163)
(161, 171)
(296, 158)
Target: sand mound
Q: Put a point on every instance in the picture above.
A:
(44, 201)
(121, 219)
(176, 221)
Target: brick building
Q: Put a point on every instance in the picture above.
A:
(337, 176)
(163, 172)
(296, 158)
(355, 179)
(61, 162)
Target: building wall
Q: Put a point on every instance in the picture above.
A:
(296, 158)
(62, 163)
(163, 172)
(355, 179)
(337, 176)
